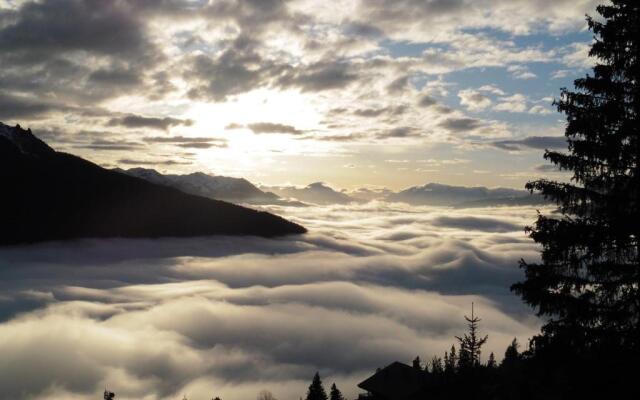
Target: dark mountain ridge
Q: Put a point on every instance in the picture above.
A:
(49, 195)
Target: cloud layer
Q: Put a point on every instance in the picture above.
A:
(368, 285)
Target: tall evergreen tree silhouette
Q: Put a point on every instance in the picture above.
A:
(316, 389)
(417, 364)
(491, 363)
(436, 365)
(470, 343)
(335, 393)
(588, 282)
(511, 354)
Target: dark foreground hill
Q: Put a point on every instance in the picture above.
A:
(48, 195)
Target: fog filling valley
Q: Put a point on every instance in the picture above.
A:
(218, 316)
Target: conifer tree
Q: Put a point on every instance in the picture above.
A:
(450, 360)
(417, 364)
(491, 363)
(316, 389)
(335, 393)
(587, 285)
(511, 355)
(436, 365)
(471, 344)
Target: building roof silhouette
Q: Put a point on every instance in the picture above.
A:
(397, 381)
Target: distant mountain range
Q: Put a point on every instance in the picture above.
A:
(462, 197)
(49, 195)
(242, 191)
(237, 190)
(317, 193)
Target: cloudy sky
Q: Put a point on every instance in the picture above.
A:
(351, 92)
(157, 319)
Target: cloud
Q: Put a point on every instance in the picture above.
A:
(320, 76)
(139, 121)
(412, 20)
(474, 100)
(547, 168)
(540, 109)
(340, 138)
(456, 125)
(130, 161)
(398, 132)
(110, 144)
(532, 142)
(92, 51)
(167, 317)
(576, 55)
(427, 101)
(492, 89)
(270, 127)
(362, 29)
(188, 142)
(399, 85)
(513, 103)
(13, 107)
(103, 28)
(171, 58)
(561, 73)
(521, 72)
(476, 223)
(236, 69)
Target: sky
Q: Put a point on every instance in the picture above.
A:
(225, 316)
(356, 94)
(382, 93)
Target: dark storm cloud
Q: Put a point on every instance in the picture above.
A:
(532, 142)
(139, 121)
(269, 127)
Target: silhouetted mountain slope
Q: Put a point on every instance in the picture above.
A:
(47, 195)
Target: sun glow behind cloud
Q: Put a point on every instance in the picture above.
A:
(354, 81)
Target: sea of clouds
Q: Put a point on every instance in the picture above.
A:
(226, 316)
